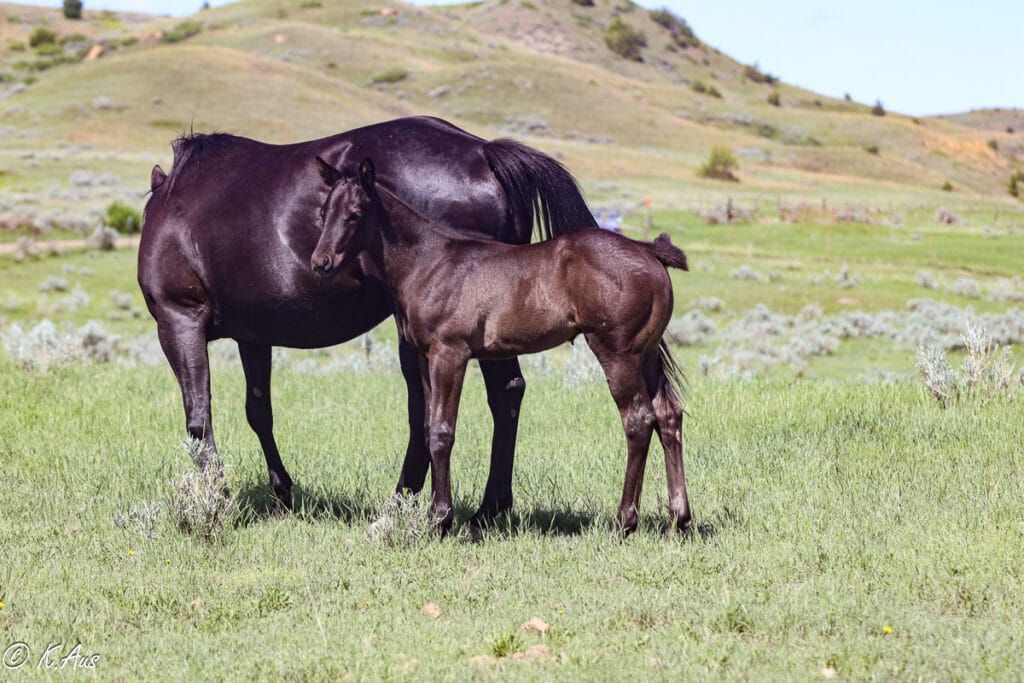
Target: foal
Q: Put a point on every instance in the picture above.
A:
(457, 299)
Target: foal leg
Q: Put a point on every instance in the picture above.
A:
(447, 369)
(505, 388)
(259, 412)
(182, 335)
(626, 382)
(417, 457)
(669, 413)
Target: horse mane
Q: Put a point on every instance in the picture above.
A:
(191, 146)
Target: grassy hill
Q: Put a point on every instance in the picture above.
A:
(541, 70)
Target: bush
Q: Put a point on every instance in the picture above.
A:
(878, 109)
(1013, 188)
(721, 165)
(584, 3)
(872, 149)
(682, 34)
(73, 9)
(41, 36)
(123, 218)
(751, 72)
(947, 186)
(49, 50)
(993, 145)
(774, 99)
(624, 40)
(390, 76)
(182, 32)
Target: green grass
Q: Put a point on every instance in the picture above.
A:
(825, 513)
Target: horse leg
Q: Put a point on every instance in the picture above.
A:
(447, 369)
(668, 411)
(505, 388)
(626, 382)
(182, 335)
(417, 457)
(260, 414)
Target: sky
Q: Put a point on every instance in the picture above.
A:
(918, 57)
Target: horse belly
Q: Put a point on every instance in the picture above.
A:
(523, 330)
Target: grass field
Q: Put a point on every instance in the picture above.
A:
(848, 527)
(844, 526)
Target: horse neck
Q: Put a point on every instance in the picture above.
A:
(406, 238)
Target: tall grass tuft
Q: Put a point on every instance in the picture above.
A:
(198, 503)
(402, 523)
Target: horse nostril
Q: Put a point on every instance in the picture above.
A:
(325, 262)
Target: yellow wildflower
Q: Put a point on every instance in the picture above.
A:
(887, 629)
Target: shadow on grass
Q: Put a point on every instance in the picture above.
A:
(257, 503)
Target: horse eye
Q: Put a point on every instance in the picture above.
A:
(355, 215)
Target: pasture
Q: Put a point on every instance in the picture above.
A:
(846, 525)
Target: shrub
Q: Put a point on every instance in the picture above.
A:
(872, 149)
(753, 73)
(699, 87)
(624, 40)
(721, 164)
(49, 50)
(775, 99)
(947, 186)
(878, 109)
(584, 3)
(1015, 179)
(182, 32)
(198, 503)
(682, 34)
(993, 145)
(41, 36)
(402, 523)
(390, 76)
(987, 371)
(123, 218)
(73, 9)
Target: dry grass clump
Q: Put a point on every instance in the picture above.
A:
(401, 523)
(199, 505)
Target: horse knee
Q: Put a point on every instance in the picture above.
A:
(638, 422)
(440, 438)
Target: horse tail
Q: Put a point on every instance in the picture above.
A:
(539, 188)
(674, 376)
(669, 254)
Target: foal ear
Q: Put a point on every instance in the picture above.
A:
(330, 174)
(367, 175)
(156, 178)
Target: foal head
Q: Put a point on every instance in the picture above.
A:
(342, 216)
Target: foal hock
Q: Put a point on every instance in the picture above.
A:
(457, 299)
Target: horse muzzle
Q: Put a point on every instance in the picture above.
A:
(323, 265)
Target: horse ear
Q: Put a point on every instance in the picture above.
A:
(156, 178)
(367, 175)
(330, 174)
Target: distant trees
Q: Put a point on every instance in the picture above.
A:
(73, 9)
(624, 40)
(721, 165)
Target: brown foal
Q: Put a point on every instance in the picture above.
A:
(457, 299)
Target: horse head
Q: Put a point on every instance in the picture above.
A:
(342, 215)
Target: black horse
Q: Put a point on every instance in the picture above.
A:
(225, 250)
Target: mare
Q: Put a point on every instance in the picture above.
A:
(225, 251)
(458, 298)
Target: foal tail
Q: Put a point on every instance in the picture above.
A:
(669, 254)
(670, 368)
(538, 188)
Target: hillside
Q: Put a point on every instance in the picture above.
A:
(282, 70)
